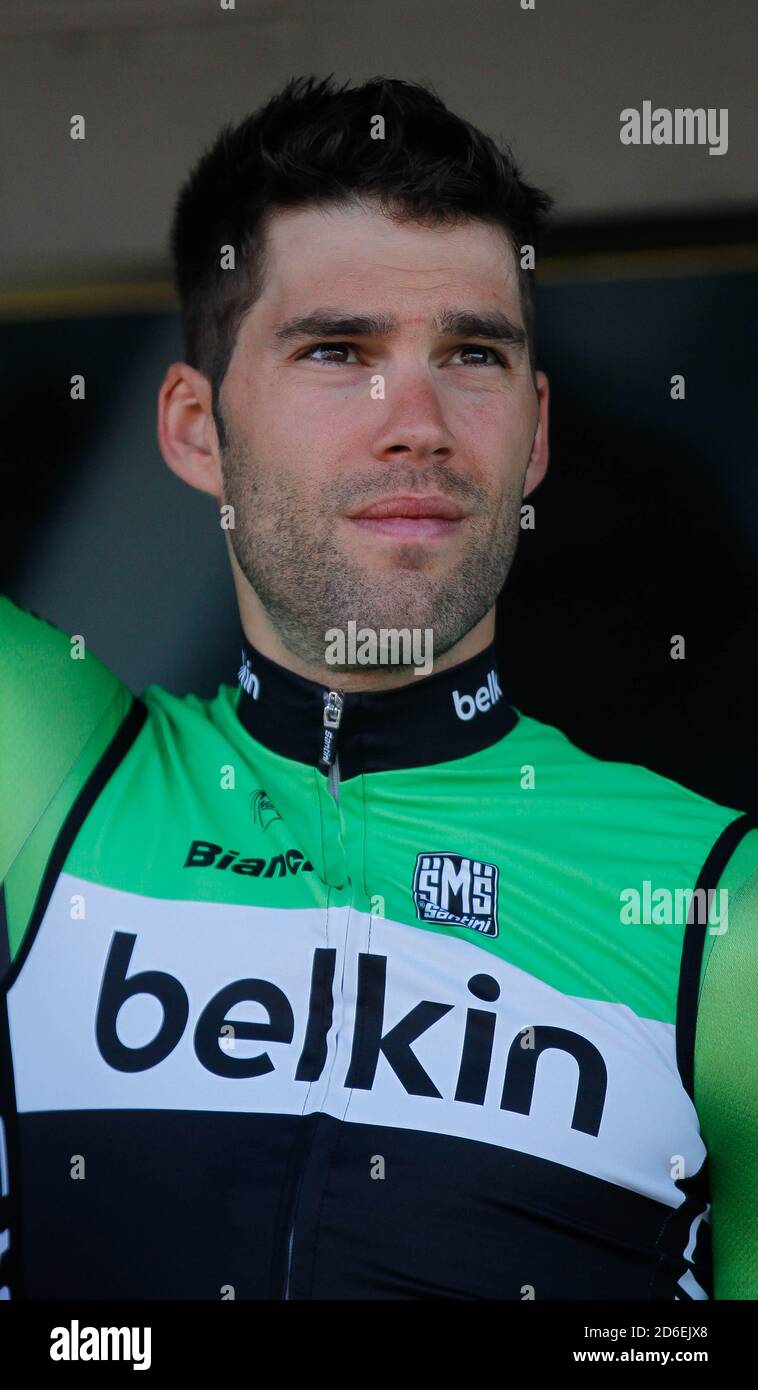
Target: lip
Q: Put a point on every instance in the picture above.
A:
(410, 508)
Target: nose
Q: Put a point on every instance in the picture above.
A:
(413, 427)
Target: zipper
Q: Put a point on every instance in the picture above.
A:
(329, 756)
(289, 1263)
(329, 759)
(291, 1236)
(290, 1244)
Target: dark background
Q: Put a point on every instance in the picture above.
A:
(646, 525)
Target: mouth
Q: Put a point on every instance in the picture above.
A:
(410, 518)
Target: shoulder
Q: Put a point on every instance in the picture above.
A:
(187, 718)
(726, 1084)
(60, 708)
(626, 793)
(728, 1008)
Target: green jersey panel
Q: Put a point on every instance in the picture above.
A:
(435, 931)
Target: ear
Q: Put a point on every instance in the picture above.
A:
(187, 433)
(539, 456)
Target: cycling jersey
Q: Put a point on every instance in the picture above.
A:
(324, 995)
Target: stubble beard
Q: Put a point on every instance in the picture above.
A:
(285, 547)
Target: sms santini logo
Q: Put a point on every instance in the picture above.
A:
(455, 891)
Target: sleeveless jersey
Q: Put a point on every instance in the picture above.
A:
(322, 995)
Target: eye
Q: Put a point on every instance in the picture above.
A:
(325, 347)
(475, 347)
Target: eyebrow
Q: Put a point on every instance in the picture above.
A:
(332, 323)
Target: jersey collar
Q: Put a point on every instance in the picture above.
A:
(432, 719)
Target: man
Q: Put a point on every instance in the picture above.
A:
(355, 981)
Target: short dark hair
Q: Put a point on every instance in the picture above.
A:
(311, 144)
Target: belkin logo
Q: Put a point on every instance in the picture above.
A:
(220, 1040)
(467, 706)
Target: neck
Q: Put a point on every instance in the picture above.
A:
(356, 653)
(446, 715)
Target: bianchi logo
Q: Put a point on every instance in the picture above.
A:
(462, 892)
(204, 854)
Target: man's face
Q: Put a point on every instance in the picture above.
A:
(404, 415)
